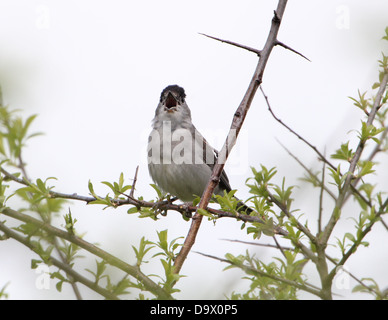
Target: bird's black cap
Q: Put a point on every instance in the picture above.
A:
(174, 88)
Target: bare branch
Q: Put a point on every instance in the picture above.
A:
(320, 155)
(267, 245)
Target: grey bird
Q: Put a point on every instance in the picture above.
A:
(180, 160)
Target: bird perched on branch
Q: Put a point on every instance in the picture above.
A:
(180, 160)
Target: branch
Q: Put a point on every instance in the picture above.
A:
(305, 287)
(76, 277)
(134, 183)
(320, 210)
(258, 52)
(312, 175)
(383, 209)
(353, 163)
(332, 260)
(371, 156)
(267, 245)
(320, 155)
(161, 205)
(112, 260)
(62, 257)
(235, 128)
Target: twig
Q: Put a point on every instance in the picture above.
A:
(321, 184)
(268, 245)
(134, 183)
(279, 246)
(235, 128)
(320, 155)
(320, 210)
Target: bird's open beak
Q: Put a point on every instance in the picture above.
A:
(171, 102)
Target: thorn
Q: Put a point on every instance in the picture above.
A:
(289, 48)
(258, 52)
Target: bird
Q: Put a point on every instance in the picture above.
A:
(180, 160)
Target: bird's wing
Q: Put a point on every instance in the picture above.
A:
(210, 156)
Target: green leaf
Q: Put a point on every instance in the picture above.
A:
(109, 185)
(366, 168)
(27, 124)
(362, 102)
(385, 37)
(344, 153)
(100, 270)
(158, 191)
(69, 222)
(349, 236)
(35, 263)
(204, 212)
(133, 210)
(369, 132)
(140, 252)
(91, 189)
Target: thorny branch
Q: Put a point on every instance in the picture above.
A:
(237, 122)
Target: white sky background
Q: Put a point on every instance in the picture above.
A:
(94, 70)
